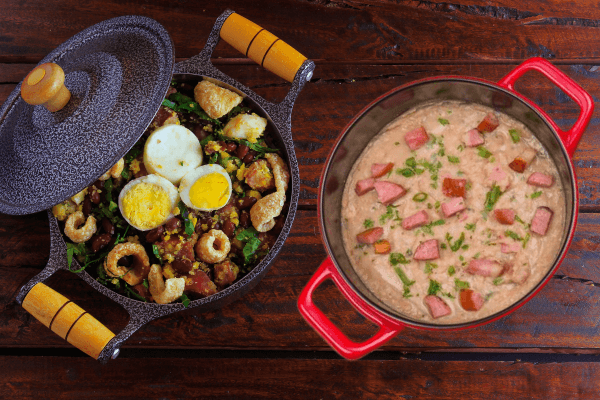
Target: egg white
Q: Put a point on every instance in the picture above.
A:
(191, 177)
(172, 151)
(157, 180)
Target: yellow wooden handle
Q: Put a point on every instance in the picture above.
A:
(262, 47)
(45, 85)
(67, 320)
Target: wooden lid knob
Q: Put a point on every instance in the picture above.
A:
(45, 85)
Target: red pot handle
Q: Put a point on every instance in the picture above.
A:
(388, 327)
(571, 137)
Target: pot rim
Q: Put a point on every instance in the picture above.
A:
(560, 255)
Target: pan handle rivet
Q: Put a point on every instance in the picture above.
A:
(115, 354)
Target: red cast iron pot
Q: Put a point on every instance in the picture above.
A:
(367, 124)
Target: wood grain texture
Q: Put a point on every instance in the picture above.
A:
(218, 378)
(334, 30)
(562, 317)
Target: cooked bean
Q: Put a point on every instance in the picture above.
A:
(95, 196)
(228, 228)
(217, 226)
(99, 242)
(107, 226)
(87, 206)
(182, 266)
(200, 133)
(173, 224)
(247, 202)
(248, 158)
(154, 234)
(241, 151)
(244, 219)
(230, 147)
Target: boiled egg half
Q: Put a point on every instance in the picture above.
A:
(206, 188)
(147, 202)
(172, 151)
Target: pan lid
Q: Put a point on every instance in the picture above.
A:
(118, 73)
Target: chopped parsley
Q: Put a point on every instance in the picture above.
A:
(443, 121)
(491, 197)
(470, 227)
(406, 172)
(252, 243)
(453, 159)
(513, 235)
(405, 281)
(535, 195)
(451, 270)
(514, 135)
(461, 284)
(185, 214)
(497, 281)
(457, 244)
(157, 253)
(398, 258)
(427, 228)
(429, 267)
(368, 223)
(483, 152)
(526, 239)
(185, 300)
(390, 214)
(434, 287)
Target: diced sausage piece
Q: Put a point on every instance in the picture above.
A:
(485, 267)
(471, 300)
(518, 165)
(382, 246)
(510, 248)
(523, 160)
(505, 216)
(454, 187)
(453, 206)
(388, 192)
(489, 123)
(427, 250)
(541, 220)
(416, 220)
(225, 273)
(379, 170)
(200, 284)
(436, 306)
(370, 236)
(474, 138)
(540, 180)
(416, 138)
(496, 175)
(364, 186)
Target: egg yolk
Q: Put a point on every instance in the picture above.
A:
(210, 191)
(146, 205)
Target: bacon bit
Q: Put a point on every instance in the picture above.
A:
(471, 300)
(453, 206)
(485, 267)
(416, 138)
(379, 170)
(518, 165)
(416, 220)
(489, 123)
(474, 138)
(382, 246)
(454, 187)
(505, 216)
(370, 236)
(364, 186)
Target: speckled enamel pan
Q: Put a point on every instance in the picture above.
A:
(118, 72)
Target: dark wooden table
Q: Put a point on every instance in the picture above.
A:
(259, 346)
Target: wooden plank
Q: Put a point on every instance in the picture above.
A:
(224, 378)
(337, 93)
(343, 29)
(562, 317)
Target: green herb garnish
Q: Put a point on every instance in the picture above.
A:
(514, 135)
(368, 223)
(491, 197)
(497, 281)
(457, 244)
(185, 214)
(185, 300)
(451, 270)
(434, 287)
(453, 159)
(429, 267)
(398, 258)
(420, 197)
(249, 236)
(470, 227)
(461, 284)
(443, 121)
(483, 152)
(535, 195)
(157, 253)
(405, 281)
